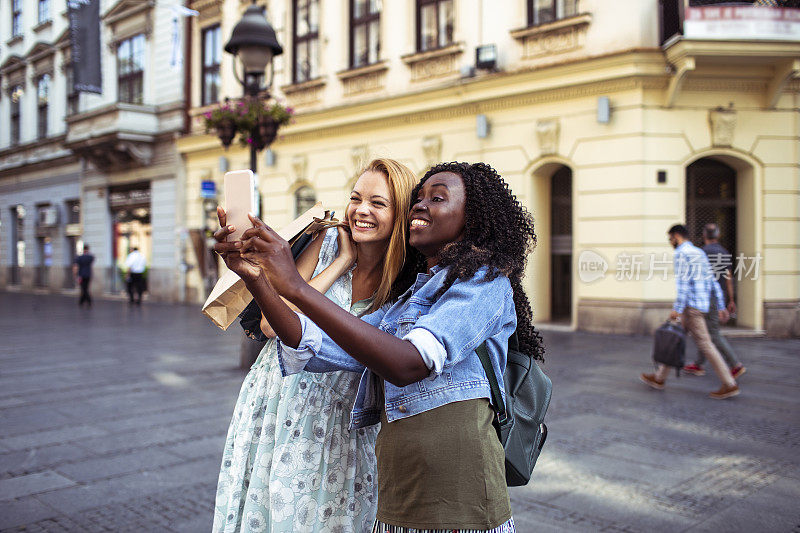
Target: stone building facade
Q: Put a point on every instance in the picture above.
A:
(96, 169)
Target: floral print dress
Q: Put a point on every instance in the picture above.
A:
(290, 463)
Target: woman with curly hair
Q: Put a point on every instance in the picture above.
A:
(440, 464)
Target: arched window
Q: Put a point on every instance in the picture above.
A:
(304, 199)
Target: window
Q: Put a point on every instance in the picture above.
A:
(435, 22)
(44, 11)
(544, 11)
(365, 32)
(130, 69)
(42, 97)
(211, 59)
(72, 94)
(16, 105)
(305, 30)
(16, 18)
(73, 209)
(18, 237)
(304, 199)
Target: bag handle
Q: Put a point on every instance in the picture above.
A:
(497, 399)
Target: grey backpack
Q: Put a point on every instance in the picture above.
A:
(520, 421)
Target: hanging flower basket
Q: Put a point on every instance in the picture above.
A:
(254, 120)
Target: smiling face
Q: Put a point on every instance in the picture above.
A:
(437, 217)
(370, 211)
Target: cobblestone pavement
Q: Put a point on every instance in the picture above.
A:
(113, 419)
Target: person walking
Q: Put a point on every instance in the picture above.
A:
(82, 269)
(135, 264)
(696, 286)
(722, 268)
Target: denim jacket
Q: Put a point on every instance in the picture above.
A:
(468, 313)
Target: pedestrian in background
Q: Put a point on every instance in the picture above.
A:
(135, 264)
(696, 287)
(722, 268)
(82, 269)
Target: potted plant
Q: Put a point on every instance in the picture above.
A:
(256, 121)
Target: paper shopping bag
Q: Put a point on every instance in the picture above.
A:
(230, 295)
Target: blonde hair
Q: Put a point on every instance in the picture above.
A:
(401, 181)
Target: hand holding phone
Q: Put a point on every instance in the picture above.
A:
(239, 198)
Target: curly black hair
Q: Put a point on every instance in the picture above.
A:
(498, 234)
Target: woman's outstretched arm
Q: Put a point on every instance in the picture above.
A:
(307, 263)
(395, 360)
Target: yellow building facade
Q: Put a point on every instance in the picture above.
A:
(610, 121)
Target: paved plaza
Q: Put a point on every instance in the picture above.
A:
(113, 419)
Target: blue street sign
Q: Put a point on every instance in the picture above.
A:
(208, 189)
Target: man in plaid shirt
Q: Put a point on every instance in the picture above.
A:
(696, 286)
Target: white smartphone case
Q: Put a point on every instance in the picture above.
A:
(239, 200)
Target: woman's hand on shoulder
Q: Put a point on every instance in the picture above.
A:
(230, 251)
(348, 253)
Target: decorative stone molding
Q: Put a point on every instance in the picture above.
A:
(359, 155)
(41, 56)
(299, 166)
(434, 64)
(14, 40)
(128, 18)
(63, 42)
(306, 93)
(432, 149)
(555, 37)
(13, 71)
(547, 132)
(723, 124)
(43, 26)
(208, 10)
(550, 95)
(366, 79)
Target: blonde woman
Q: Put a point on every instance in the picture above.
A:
(290, 462)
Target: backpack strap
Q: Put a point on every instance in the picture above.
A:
(497, 399)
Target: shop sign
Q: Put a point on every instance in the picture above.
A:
(742, 23)
(208, 189)
(128, 198)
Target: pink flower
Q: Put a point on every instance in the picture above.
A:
(249, 140)
(290, 110)
(207, 114)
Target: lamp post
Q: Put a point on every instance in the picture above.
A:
(254, 44)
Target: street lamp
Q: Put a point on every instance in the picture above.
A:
(254, 44)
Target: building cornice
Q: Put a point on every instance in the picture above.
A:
(637, 69)
(33, 155)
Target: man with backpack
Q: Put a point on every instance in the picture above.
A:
(696, 286)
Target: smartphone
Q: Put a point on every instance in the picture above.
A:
(239, 200)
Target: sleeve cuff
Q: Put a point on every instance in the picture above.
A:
(432, 351)
(293, 360)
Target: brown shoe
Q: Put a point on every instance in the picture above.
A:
(738, 370)
(726, 391)
(650, 379)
